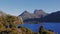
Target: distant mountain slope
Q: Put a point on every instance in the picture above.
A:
(27, 15)
(37, 14)
(53, 17)
(40, 12)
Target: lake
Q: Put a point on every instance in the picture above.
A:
(48, 26)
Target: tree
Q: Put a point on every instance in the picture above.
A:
(41, 29)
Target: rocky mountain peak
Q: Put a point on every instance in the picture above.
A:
(24, 13)
(36, 14)
(39, 12)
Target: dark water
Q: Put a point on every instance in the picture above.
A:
(48, 26)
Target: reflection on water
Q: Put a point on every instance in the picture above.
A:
(35, 27)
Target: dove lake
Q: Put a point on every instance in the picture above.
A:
(47, 26)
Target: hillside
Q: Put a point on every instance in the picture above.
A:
(2, 13)
(6, 18)
(8, 25)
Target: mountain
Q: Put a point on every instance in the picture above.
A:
(53, 17)
(27, 15)
(40, 12)
(37, 14)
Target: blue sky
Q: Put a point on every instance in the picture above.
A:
(16, 7)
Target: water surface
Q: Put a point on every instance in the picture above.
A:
(48, 26)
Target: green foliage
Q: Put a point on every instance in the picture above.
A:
(10, 20)
(25, 30)
(42, 31)
(8, 25)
